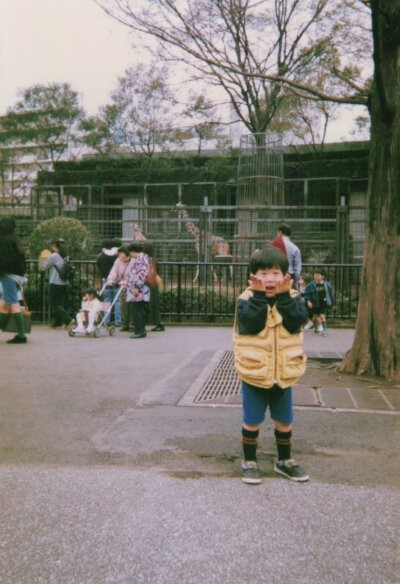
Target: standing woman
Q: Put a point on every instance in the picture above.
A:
(137, 290)
(12, 269)
(58, 287)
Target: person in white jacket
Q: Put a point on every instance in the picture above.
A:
(90, 308)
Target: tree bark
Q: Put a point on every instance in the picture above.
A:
(376, 348)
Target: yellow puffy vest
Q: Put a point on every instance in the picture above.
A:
(273, 355)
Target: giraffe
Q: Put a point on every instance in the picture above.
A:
(138, 233)
(219, 247)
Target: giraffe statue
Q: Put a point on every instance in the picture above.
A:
(137, 233)
(219, 247)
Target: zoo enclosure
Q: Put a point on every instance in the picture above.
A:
(327, 217)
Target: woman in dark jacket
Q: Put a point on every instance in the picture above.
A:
(12, 270)
(57, 286)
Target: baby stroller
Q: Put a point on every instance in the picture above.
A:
(100, 326)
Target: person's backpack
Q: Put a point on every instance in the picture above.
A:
(67, 270)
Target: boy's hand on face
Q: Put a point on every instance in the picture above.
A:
(256, 283)
(284, 285)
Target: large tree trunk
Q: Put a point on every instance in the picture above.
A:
(376, 348)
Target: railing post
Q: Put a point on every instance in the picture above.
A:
(178, 300)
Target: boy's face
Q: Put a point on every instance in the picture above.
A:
(270, 277)
(317, 277)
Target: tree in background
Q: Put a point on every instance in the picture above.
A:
(145, 116)
(204, 123)
(44, 122)
(140, 117)
(259, 52)
(41, 128)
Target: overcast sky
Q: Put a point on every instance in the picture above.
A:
(73, 41)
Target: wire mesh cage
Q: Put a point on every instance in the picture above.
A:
(260, 184)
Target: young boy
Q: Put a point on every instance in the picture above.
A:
(318, 297)
(269, 358)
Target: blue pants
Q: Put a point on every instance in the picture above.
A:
(109, 294)
(256, 401)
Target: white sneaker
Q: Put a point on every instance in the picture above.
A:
(309, 325)
(79, 330)
(320, 329)
(90, 330)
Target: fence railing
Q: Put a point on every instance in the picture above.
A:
(194, 292)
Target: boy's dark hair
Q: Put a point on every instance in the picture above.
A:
(319, 271)
(285, 229)
(268, 257)
(92, 292)
(136, 246)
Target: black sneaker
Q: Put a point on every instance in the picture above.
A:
(291, 470)
(17, 340)
(250, 472)
(159, 327)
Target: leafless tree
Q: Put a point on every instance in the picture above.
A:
(260, 51)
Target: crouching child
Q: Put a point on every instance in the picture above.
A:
(269, 358)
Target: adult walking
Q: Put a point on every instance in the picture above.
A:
(12, 270)
(291, 250)
(58, 288)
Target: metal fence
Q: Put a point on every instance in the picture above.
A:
(195, 292)
(327, 217)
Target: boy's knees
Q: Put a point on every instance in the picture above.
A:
(251, 428)
(281, 427)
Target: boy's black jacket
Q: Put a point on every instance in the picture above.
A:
(252, 313)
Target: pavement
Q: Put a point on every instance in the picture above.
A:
(104, 478)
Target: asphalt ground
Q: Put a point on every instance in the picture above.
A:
(105, 479)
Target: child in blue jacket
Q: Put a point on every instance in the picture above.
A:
(318, 297)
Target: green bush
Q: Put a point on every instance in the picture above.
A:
(195, 302)
(78, 239)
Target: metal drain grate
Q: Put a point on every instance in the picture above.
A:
(223, 384)
(218, 385)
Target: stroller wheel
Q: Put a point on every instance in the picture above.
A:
(97, 333)
(71, 331)
(111, 331)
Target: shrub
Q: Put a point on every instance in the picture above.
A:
(193, 303)
(78, 239)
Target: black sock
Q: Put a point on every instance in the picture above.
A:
(249, 443)
(283, 443)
